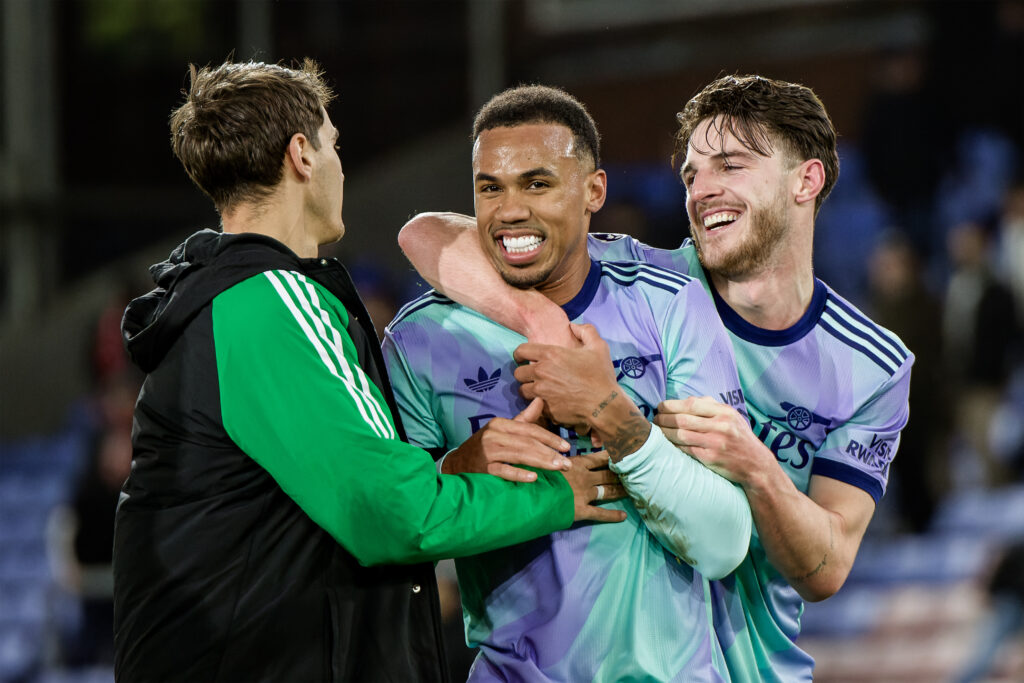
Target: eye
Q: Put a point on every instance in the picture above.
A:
(487, 188)
(537, 185)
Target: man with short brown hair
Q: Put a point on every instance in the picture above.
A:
(276, 526)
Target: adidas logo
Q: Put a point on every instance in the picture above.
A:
(483, 381)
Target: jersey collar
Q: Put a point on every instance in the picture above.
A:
(762, 337)
(579, 303)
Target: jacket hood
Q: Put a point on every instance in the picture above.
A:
(197, 270)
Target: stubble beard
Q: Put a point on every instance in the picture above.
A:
(767, 228)
(523, 278)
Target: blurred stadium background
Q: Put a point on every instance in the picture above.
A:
(925, 231)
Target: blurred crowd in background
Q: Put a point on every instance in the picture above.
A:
(924, 231)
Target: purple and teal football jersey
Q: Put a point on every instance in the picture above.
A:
(828, 396)
(596, 602)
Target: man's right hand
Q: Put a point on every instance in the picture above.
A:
(591, 482)
(502, 444)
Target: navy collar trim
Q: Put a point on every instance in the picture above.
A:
(756, 335)
(579, 303)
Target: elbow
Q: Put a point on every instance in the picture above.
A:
(728, 550)
(428, 225)
(720, 556)
(391, 548)
(722, 561)
(412, 231)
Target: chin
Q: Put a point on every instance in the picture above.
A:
(522, 280)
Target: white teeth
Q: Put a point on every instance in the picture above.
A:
(521, 245)
(716, 219)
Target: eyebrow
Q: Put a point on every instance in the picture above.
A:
(735, 154)
(525, 175)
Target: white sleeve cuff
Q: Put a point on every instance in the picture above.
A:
(440, 461)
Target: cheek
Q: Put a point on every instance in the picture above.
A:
(689, 206)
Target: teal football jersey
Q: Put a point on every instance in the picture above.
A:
(597, 602)
(828, 396)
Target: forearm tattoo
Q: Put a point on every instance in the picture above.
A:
(824, 559)
(604, 404)
(629, 436)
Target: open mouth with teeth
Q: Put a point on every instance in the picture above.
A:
(720, 219)
(520, 246)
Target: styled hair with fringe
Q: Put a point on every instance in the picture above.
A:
(763, 113)
(233, 129)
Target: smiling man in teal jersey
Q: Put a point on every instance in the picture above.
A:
(825, 388)
(610, 603)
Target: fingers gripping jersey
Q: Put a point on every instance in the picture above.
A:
(828, 396)
(596, 602)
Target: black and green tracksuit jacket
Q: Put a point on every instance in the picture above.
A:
(275, 525)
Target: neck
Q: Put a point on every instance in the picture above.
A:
(280, 216)
(776, 295)
(563, 288)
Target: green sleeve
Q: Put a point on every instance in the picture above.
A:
(294, 398)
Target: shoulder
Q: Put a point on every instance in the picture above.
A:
(268, 297)
(428, 306)
(613, 246)
(877, 346)
(646, 276)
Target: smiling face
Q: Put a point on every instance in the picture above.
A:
(738, 201)
(533, 199)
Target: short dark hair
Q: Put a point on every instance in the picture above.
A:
(542, 104)
(232, 131)
(759, 112)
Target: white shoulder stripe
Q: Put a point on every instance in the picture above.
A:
(634, 270)
(322, 322)
(419, 302)
(321, 350)
(884, 345)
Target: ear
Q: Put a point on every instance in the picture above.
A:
(299, 156)
(597, 190)
(809, 178)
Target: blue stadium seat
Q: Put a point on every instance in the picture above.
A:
(851, 611)
(96, 674)
(995, 514)
(928, 559)
(20, 651)
(23, 601)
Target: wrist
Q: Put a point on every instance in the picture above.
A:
(762, 479)
(619, 424)
(448, 461)
(542, 321)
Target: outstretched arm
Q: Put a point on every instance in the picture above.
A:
(444, 249)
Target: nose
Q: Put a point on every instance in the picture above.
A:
(512, 208)
(703, 186)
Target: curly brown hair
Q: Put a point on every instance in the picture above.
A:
(762, 112)
(232, 131)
